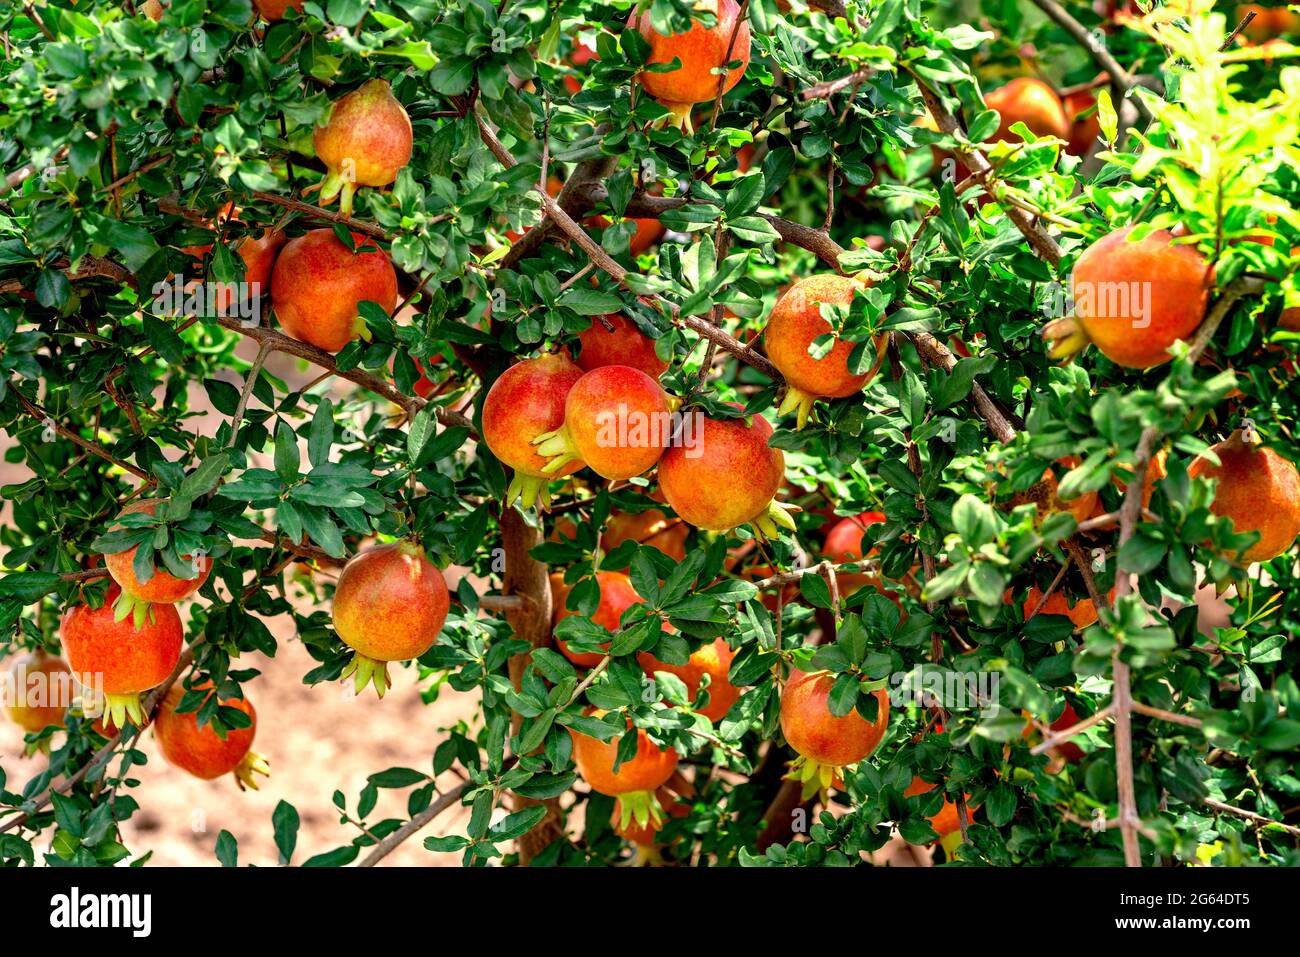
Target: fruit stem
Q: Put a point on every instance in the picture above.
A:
(558, 447)
(1066, 338)
(251, 763)
(796, 398)
(814, 778)
(119, 708)
(529, 490)
(766, 522)
(367, 671)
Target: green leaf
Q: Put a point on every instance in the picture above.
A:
(285, 821)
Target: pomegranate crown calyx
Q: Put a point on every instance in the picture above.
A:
(410, 547)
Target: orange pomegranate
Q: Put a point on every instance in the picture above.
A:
(634, 781)
(646, 836)
(727, 476)
(1045, 498)
(616, 596)
(701, 50)
(273, 10)
(616, 422)
(1085, 127)
(946, 820)
(651, 527)
(365, 141)
(318, 284)
(825, 743)
(390, 605)
(796, 321)
(127, 656)
(1258, 491)
(41, 685)
(526, 401)
(713, 660)
(201, 751)
(164, 587)
(1032, 102)
(1133, 300)
(623, 345)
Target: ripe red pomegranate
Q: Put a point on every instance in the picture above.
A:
(526, 401)
(257, 252)
(365, 141)
(582, 55)
(1084, 130)
(40, 682)
(844, 544)
(1082, 613)
(153, 9)
(390, 605)
(1032, 102)
(616, 596)
(796, 320)
(700, 51)
(201, 751)
(129, 656)
(273, 10)
(824, 742)
(1067, 752)
(164, 587)
(1134, 299)
(946, 820)
(651, 527)
(713, 660)
(726, 475)
(624, 345)
(634, 782)
(1258, 491)
(318, 285)
(1156, 470)
(616, 421)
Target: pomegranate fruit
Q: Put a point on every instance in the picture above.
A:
(1258, 491)
(616, 422)
(1133, 300)
(1156, 470)
(164, 587)
(651, 527)
(273, 10)
(728, 476)
(634, 782)
(318, 284)
(796, 321)
(526, 401)
(41, 685)
(701, 50)
(1044, 495)
(1067, 752)
(201, 751)
(623, 345)
(844, 544)
(129, 656)
(1032, 102)
(824, 742)
(582, 55)
(390, 605)
(713, 660)
(366, 140)
(1082, 613)
(616, 596)
(1085, 127)
(946, 820)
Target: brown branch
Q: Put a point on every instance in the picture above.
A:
(389, 843)
(1170, 716)
(1043, 244)
(1249, 815)
(1119, 77)
(298, 206)
(282, 343)
(821, 91)
(38, 413)
(935, 352)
